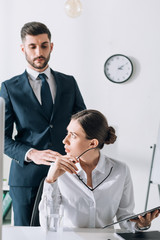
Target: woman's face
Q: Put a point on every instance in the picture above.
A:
(75, 141)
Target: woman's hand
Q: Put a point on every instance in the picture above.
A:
(61, 165)
(145, 221)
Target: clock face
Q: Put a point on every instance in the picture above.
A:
(118, 68)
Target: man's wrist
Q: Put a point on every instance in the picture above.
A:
(28, 155)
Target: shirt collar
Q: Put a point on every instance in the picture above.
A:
(34, 74)
(101, 166)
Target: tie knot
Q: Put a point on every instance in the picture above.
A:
(42, 76)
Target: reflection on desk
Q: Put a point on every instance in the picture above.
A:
(28, 233)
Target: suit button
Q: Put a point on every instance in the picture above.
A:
(51, 126)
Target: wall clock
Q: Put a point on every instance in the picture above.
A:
(118, 68)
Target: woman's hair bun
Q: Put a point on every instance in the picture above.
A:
(111, 137)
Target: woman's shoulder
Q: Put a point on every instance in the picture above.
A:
(117, 164)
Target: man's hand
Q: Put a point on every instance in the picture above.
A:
(45, 157)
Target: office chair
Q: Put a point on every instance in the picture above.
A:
(35, 212)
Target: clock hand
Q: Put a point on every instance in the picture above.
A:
(121, 67)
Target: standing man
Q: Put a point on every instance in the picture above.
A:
(40, 103)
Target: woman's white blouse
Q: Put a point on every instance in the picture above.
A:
(84, 208)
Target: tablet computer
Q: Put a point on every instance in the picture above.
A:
(134, 216)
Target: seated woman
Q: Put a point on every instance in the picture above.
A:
(91, 187)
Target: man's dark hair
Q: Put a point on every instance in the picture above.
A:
(34, 28)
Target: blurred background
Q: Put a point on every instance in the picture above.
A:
(83, 41)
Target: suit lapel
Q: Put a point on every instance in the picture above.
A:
(58, 92)
(27, 92)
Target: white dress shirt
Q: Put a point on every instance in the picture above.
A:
(84, 208)
(36, 82)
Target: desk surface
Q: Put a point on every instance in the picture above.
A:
(28, 233)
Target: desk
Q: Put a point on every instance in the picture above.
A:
(28, 233)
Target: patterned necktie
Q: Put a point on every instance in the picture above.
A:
(46, 97)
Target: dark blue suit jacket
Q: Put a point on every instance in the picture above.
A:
(34, 130)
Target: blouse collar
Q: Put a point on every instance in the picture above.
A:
(101, 165)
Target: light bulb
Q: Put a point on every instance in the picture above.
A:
(73, 8)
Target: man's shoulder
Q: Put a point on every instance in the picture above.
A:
(61, 75)
(14, 78)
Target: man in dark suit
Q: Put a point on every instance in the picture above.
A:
(39, 133)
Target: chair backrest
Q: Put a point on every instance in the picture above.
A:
(35, 212)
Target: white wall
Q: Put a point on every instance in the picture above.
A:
(81, 46)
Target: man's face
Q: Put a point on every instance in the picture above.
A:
(37, 51)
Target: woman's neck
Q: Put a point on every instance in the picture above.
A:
(90, 160)
(88, 164)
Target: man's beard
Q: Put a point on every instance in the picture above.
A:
(33, 64)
